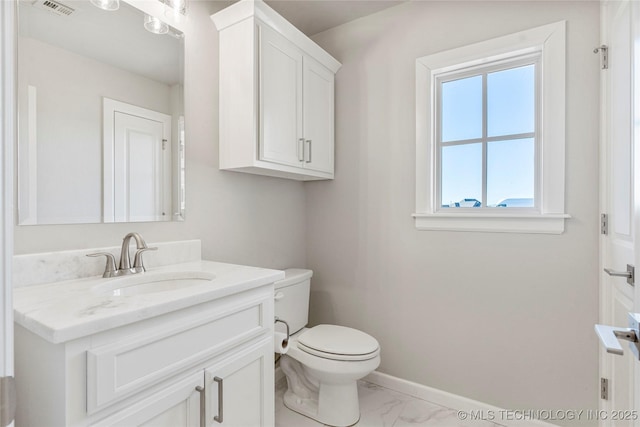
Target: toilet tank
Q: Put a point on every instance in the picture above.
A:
(292, 299)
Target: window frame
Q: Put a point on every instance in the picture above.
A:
(547, 216)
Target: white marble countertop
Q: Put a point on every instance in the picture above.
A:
(67, 310)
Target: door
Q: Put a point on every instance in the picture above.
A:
(179, 405)
(280, 99)
(620, 193)
(318, 116)
(7, 132)
(240, 389)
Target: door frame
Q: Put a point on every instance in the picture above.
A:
(8, 65)
(635, 135)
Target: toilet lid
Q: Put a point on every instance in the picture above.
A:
(338, 342)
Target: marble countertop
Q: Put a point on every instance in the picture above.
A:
(67, 310)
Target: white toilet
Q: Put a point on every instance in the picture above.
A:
(323, 363)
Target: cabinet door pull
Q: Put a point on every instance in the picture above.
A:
(203, 418)
(308, 160)
(218, 417)
(301, 149)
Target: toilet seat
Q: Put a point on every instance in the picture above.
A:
(338, 343)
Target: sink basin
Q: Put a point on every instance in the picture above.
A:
(148, 283)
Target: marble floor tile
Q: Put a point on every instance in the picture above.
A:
(422, 413)
(379, 406)
(382, 407)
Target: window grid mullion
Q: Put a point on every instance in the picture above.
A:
(484, 140)
(507, 137)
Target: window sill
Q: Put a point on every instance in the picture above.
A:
(492, 222)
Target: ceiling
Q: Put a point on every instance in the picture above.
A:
(314, 16)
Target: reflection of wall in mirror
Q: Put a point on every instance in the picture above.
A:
(177, 151)
(69, 96)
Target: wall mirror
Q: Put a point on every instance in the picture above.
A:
(100, 114)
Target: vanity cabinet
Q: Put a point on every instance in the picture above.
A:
(207, 364)
(276, 96)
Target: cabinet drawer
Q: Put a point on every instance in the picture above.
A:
(117, 370)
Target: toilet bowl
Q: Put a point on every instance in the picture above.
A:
(323, 363)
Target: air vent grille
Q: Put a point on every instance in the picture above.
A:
(54, 7)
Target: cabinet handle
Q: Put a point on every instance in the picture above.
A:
(203, 402)
(308, 160)
(301, 149)
(218, 417)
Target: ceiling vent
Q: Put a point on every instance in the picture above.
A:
(53, 7)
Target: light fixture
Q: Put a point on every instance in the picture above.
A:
(106, 4)
(155, 25)
(175, 8)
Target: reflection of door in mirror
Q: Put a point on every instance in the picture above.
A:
(137, 163)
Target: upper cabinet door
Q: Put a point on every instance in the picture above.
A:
(318, 116)
(280, 99)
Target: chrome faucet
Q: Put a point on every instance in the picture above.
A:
(124, 267)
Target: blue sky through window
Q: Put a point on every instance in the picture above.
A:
(510, 162)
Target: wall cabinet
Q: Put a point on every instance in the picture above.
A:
(276, 96)
(206, 365)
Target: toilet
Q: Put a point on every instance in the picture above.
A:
(323, 363)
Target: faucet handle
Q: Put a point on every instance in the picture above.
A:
(137, 260)
(110, 267)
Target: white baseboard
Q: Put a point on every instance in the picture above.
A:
(454, 401)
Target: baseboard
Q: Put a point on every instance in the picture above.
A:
(471, 409)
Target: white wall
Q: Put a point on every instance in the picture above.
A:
(502, 318)
(240, 218)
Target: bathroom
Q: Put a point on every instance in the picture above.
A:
(505, 319)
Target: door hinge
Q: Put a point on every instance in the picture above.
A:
(604, 224)
(164, 144)
(604, 49)
(8, 400)
(604, 389)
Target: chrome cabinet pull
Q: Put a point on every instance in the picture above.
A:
(301, 149)
(629, 274)
(203, 402)
(219, 418)
(308, 159)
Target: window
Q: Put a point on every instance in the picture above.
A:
(490, 135)
(486, 125)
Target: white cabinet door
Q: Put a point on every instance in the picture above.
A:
(280, 99)
(176, 406)
(318, 110)
(239, 389)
